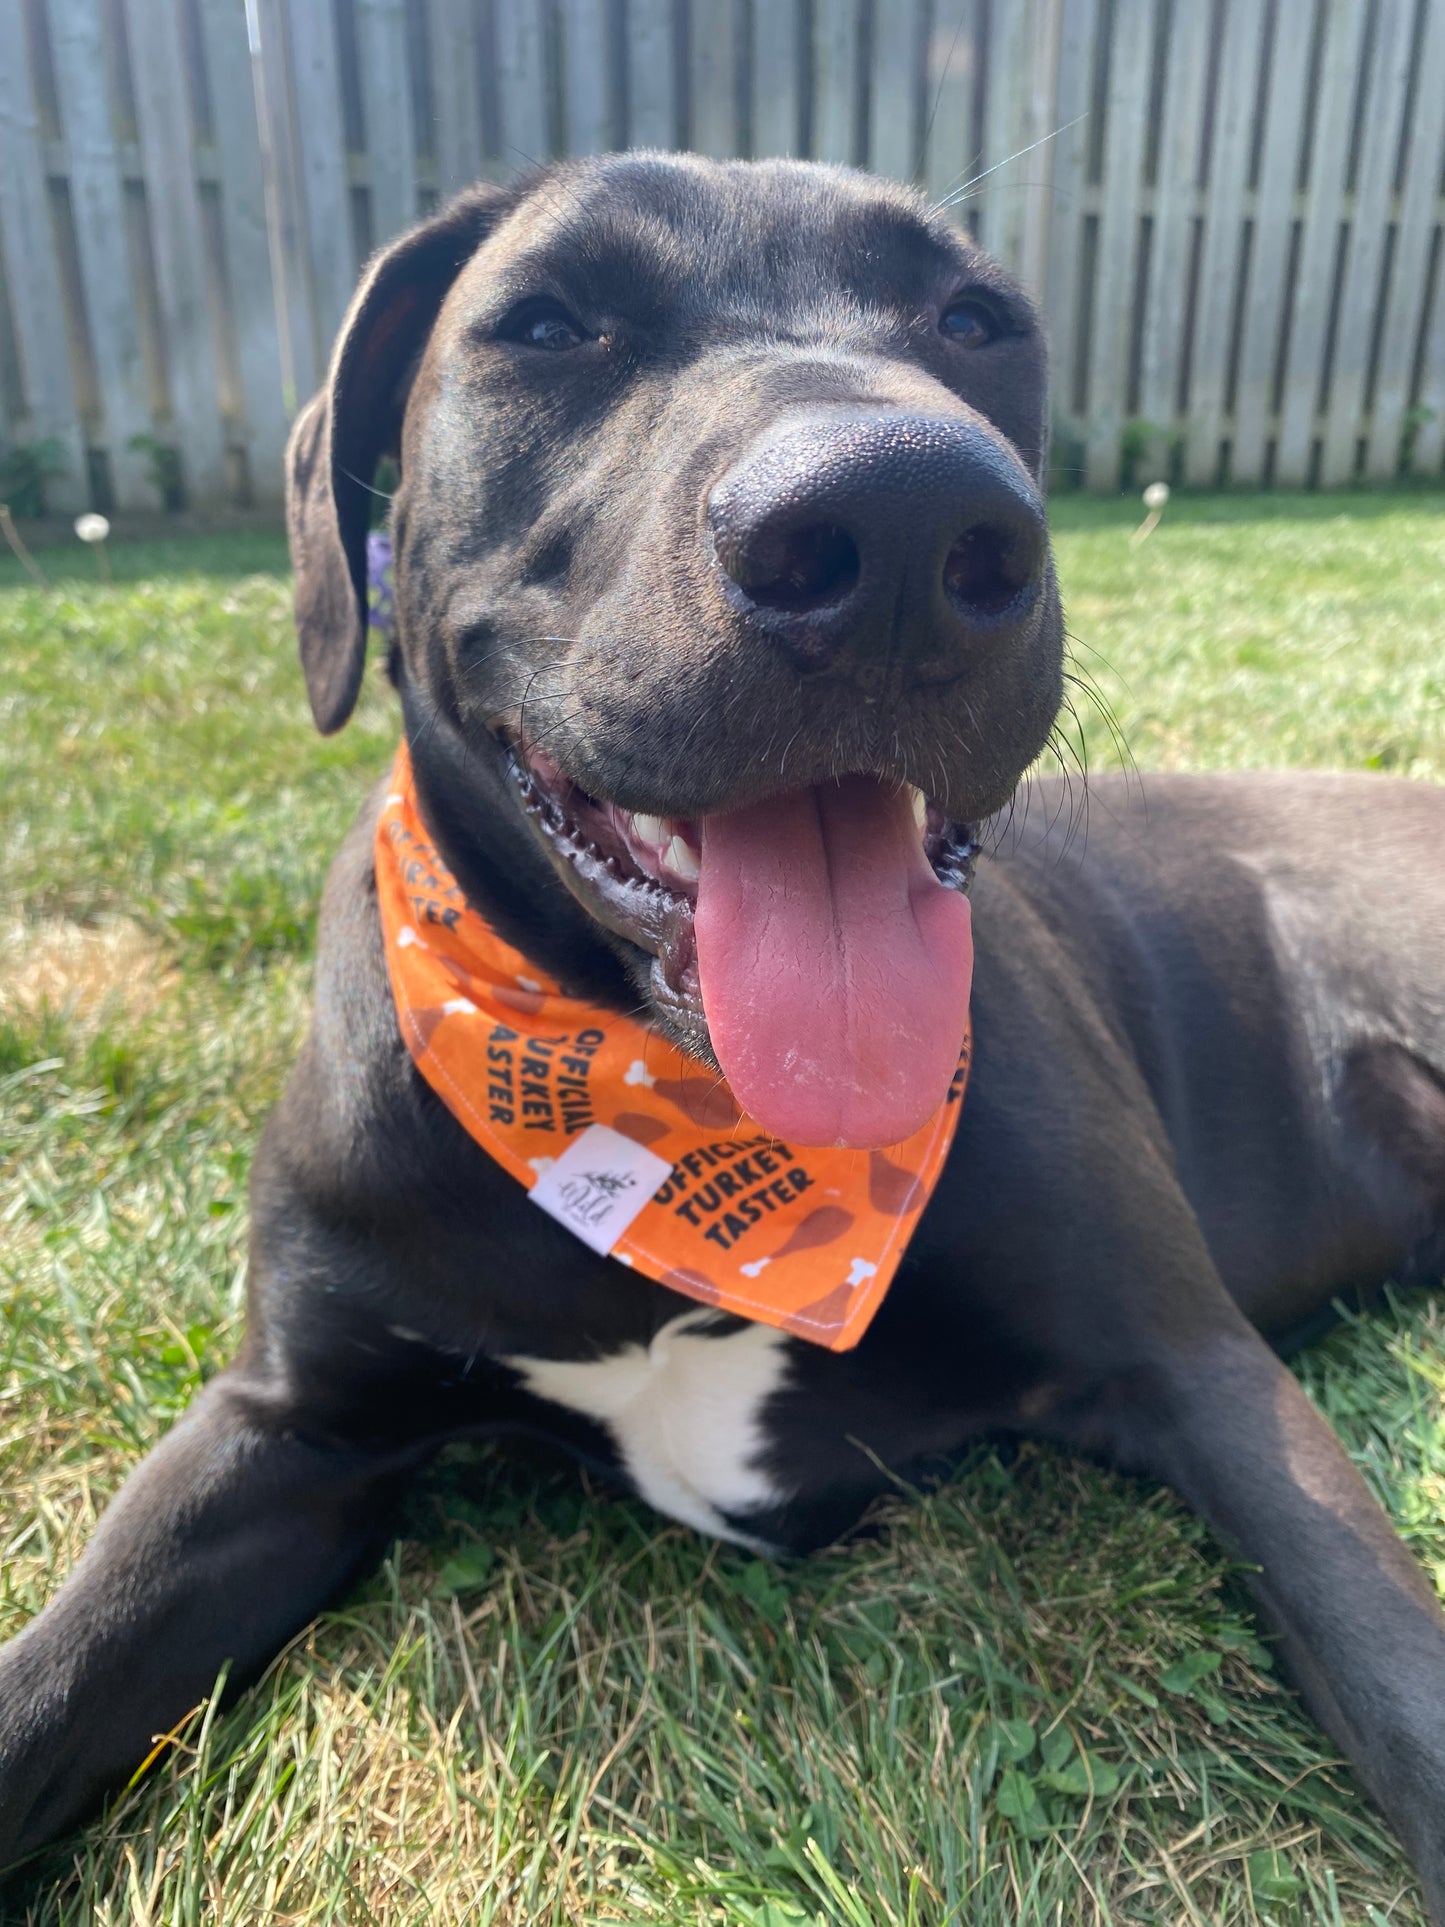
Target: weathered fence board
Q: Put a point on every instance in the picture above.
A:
(777, 101)
(1369, 237)
(1274, 215)
(1118, 244)
(186, 304)
(894, 87)
(97, 202)
(586, 91)
(651, 74)
(1315, 285)
(386, 105)
(48, 405)
(456, 95)
(1409, 282)
(836, 57)
(1169, 272)
(1222, 264)
(521, 56)
(261, 416)
(1429, 444)
(1018, 120)
(714, 75)
(310, 203)
(1067, 294)
(1427, 431)
(1041, 76)
(1233, 211)
(953, 151)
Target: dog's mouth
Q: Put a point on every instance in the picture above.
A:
(816, 945)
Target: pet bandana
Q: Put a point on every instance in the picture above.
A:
(626, 1140)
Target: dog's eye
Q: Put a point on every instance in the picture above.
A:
(543, 324)
(971, 323)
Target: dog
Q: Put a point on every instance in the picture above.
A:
(726, 616)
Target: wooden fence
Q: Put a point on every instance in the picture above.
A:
(1232, 209)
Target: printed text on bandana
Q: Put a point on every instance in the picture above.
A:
(724, 1189)
(541, 1082)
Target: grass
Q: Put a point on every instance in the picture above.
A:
(1036, 1695)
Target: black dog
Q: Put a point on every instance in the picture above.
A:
(719, 485)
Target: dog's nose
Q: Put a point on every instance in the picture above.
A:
(858, 535)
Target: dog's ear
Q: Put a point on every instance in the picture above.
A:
(345, 430)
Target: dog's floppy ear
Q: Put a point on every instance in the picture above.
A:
(343, 432)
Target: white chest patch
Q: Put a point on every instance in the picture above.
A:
(685, 1415)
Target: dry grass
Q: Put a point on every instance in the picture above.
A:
(85, 974)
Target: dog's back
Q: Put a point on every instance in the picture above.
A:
(1272, 948)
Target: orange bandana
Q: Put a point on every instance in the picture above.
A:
(627, 1140)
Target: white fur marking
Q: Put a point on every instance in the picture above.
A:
(684, 1414)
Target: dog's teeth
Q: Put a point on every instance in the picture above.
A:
(920, 807)
(681, 859)
(651, 829)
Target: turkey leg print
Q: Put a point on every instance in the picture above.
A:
(823, 1226)
(891, 1189)
(704, 1101)
(892, 1192)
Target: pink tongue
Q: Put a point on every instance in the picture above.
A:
(835, 967)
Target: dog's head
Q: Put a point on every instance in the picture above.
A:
(723, 592)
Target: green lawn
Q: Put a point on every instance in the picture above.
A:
(549, 1706)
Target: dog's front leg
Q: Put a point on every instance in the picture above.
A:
(1361, 1629)
(228, 1537)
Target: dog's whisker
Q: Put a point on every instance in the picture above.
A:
(1078, 677)
(1081, 642)
(1068, 750)
(380, 493)
(1063, 802)
(958, 194)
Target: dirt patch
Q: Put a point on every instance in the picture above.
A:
(90, 972)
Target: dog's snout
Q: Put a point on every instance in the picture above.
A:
(841, 536)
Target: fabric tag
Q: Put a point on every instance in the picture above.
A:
(599, 1184)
